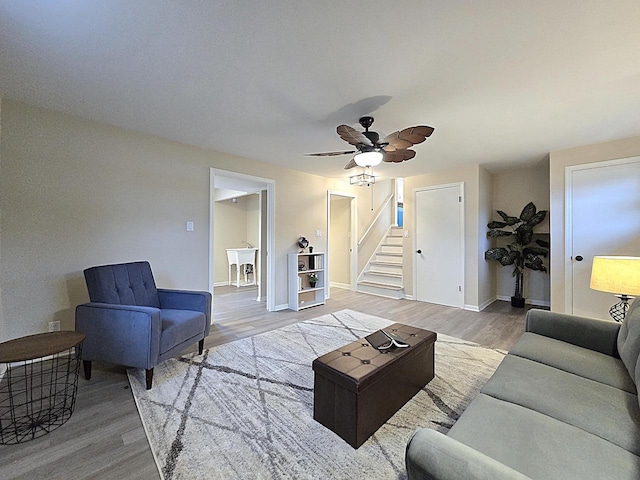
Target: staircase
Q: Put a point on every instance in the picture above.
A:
(383, 274)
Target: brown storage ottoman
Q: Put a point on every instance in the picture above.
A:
(358, 388)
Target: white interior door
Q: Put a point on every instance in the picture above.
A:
(439, 254)
(603, 212)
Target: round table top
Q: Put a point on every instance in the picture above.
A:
(39, 345)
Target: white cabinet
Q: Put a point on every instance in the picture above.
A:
(302, 291)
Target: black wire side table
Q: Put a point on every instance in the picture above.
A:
(38, 384)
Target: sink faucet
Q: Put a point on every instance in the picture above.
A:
(248, 244)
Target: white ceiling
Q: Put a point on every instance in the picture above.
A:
(503, 82)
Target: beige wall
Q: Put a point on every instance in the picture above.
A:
(475, 270)
(234, 223)
(3, 328)
(511, 191)
(486, 271)
(558, 161)
(76, 193)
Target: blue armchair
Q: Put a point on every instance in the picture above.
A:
(130, 322)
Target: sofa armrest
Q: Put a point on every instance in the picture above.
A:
(598, 335)
(431, 455)
(123, 334)
(187, 300)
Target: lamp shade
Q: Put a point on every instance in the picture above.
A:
(618, 275)
(368, 159)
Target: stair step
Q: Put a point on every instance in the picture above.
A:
(384, 273)
(382, 276)
(381, 285)
(389, 257)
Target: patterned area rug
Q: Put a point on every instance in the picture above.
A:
(245, 409)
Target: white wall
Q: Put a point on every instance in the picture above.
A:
(558, 161)
(76, 193)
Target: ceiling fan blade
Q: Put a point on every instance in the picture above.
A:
(353, 136)
(409, 136)
(399, 156)
(329, 154)
(352, 163)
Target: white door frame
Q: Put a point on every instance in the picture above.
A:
(568, 221)
(270, 187)
(460, 186)
(353, 246)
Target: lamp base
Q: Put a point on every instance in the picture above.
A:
(619, 310)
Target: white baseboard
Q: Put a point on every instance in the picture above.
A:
(408, 297)
(529, 301)
(226, 284)
(346, 286)
(280, 307)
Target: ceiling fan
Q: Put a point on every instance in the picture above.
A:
(371, 151)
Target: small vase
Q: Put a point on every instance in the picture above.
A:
(312, 284)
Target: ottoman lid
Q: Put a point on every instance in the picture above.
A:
(358, 365)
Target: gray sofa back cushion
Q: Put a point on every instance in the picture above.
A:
(629, 341)
(123, 284)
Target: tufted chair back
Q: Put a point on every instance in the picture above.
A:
(123, 284)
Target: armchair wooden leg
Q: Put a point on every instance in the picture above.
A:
(200, 346)
(87, 369)
(149, 375)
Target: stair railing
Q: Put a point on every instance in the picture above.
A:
(376, 218)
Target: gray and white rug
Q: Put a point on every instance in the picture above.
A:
(245, 409)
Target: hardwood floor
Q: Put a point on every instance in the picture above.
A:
(104, 439)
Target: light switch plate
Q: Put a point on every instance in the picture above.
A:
(318, 233)
(406, 234)
(189, 226)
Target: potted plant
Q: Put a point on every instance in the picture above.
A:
(522, 252)
(313, 279)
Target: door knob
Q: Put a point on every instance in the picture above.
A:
(418, 251)
(579, 258)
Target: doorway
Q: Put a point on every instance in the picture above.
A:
(342, 257)
(602, 211)
(257, 196)
(439, 245)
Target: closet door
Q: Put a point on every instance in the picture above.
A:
(603, 215)
(439, 253)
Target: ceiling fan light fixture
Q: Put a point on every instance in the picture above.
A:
(362, 180)
(368, 159)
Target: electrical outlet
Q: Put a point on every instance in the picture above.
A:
(54, 326)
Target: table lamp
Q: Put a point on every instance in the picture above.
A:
(617, 275)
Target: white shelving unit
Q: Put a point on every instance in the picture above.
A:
(301, 293)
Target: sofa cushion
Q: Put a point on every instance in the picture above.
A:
(629, 341)
(123, 284)
(179, 326)
(573, 359)
(540, 446)
(605, 411)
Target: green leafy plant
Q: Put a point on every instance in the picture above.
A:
(522, 252)
(313, 278)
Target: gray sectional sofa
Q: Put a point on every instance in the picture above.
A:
(563, 404)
